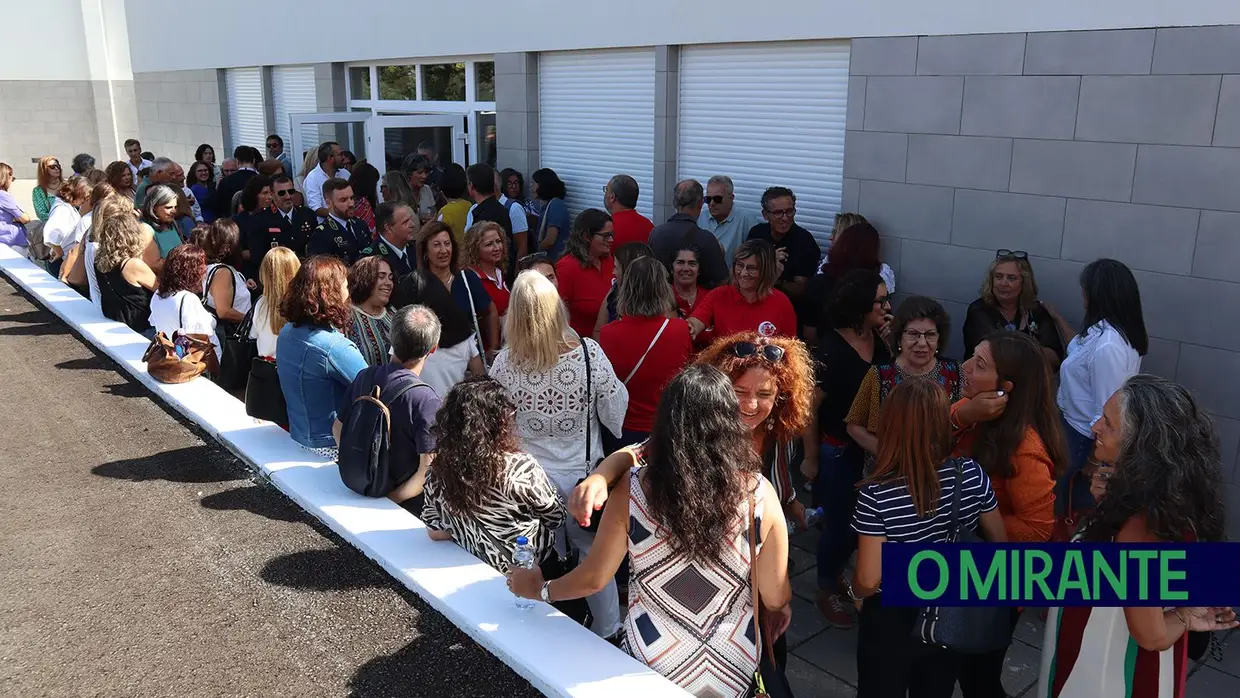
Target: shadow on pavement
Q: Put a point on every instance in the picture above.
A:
(257, 500)
(31, 317)
(34, 330)
(332, 569)
(126, 390)
(191, 464)
(452, 672)
(91, 363)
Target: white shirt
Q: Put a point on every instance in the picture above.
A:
(261, 330)
(61, 222)
(194, 208)
(183, 311)
(241, 294)
(314, 189)
(79, 232)
(1097, 365)
(553, 427)
(137, 168)
(889, 277)
(92, 248)
(516, 215)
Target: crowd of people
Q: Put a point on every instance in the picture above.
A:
(645, 404)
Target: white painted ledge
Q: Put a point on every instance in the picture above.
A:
(552, 652)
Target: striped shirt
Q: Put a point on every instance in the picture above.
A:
(886, 509)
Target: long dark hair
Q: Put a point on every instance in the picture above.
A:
(1167, 470)
(1031, 403)
(475, 427)
(550, 186)
(365, 182)
(184, 270)
(1112, 294)
(698, 458)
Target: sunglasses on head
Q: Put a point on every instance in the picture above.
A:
(770, 352)
(1011, 254)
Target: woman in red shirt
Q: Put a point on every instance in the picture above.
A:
(484, 250)
(585, 270)
(647, 346)
(685, 270)
(751, 303)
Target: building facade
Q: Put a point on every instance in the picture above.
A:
(1070, 130)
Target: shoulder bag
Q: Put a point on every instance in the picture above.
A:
(264, 398)
(182, 358)
(768, 681)
(473, 315)
(238, 350)
(964, 629)
(590, 464)
(644, 354)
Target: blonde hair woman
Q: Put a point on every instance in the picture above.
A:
(1008, 300)
(126, 282)
(279, 267)
(485, 250)
(49, 179)
(562, 430)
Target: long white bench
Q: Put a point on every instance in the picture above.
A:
(555, 654)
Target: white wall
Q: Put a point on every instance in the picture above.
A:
(43, 40)
(315, 31)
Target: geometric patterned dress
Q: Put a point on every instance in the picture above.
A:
(691, 622)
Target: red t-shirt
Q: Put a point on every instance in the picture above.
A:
(625, 340)
(497, 289)
(630, 226)
(685, 309)
(728, 312)
(583, 290)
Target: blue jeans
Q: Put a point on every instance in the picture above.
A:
(835, 490)
(1080, 447)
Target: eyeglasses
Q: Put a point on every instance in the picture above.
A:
(1011, 254)
(606, 236)
(782, 213)
(770, 352)
(717, 199)
(882, 300)
(284, 192)
(931, 336)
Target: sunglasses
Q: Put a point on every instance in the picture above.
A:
(1011, 254)
(284, 192)
(717, 199)
(770, 352)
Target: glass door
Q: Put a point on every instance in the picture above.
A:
(340, 127)
(396, 136)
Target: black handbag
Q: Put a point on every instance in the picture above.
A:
(964, 629)
(264, 399)
(554, 567)
(237, 349)
(769, 681)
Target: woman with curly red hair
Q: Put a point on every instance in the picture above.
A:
(315, 361)
(176, 305)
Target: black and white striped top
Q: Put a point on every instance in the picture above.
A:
(887, 509)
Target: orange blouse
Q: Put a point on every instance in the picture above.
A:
(1027, 499)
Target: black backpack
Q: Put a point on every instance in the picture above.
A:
(366, 440)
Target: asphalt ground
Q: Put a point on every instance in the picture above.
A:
(139, 559)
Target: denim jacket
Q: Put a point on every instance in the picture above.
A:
(316, 367)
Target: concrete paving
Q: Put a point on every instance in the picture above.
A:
(138, 560)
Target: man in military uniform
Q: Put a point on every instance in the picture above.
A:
(288, 226)
(394, 222)
(340, 234)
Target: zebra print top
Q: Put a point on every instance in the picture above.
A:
(525, 504)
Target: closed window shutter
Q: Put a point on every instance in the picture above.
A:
(247, 119)
(768, 115)
(596, 120)
(293, 93)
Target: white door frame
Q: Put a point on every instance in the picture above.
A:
(298, 120)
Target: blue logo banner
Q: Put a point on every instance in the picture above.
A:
(1061, 574)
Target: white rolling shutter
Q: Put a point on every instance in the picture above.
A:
(247, 120)
(596, 120)
(768, 115)
(293, 92)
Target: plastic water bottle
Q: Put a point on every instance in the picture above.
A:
(813, 516)
(523, 556)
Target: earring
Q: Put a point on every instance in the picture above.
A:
(770, 423)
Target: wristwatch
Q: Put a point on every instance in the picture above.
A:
(852, 595)
(545, 592)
